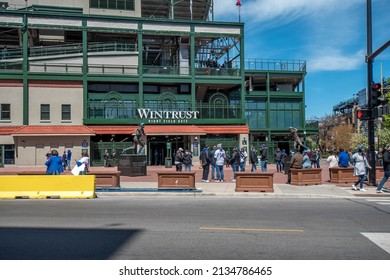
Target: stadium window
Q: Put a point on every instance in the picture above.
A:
(66, 112)
(5, 112)
(9, 154)
(45, 112)
(112, 4)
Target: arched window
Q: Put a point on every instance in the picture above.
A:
(218, 108)
(113, 106)
(167, 102)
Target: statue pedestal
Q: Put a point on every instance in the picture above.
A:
(132, 165)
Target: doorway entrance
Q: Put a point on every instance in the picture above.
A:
(157, 148)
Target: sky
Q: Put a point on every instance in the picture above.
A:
(330, 35)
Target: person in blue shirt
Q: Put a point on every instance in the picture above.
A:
(343, 158)
(54, 164)
(306, 162)
(68, 158)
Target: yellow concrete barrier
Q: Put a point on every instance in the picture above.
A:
(47, 186)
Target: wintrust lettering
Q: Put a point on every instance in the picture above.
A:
(153, 116)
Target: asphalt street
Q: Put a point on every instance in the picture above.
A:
(196, 228)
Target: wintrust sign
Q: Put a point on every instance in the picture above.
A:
(153, 116)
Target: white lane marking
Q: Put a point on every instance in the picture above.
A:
(379, 238)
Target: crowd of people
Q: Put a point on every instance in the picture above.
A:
(358, 159)
(56, 164)
(214, 160)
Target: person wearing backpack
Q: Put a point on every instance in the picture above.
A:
(187, 160)
(219, 157)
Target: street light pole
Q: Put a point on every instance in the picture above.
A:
(371, 127)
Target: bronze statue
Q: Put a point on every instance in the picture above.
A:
(293, 136)
(137, 139)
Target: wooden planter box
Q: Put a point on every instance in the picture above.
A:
(176, 180)
(109, 178)
(254, 182)
(341, 175)
(306, 176)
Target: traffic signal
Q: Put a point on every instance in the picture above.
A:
(363, 114)
(376, 94)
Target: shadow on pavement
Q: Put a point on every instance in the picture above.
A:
(61, 244)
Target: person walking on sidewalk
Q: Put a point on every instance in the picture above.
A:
(360, 168)
(386, 168)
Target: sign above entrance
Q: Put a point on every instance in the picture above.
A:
(171, 117)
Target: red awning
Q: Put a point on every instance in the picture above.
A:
(173, 129)
(53, 130)
(7, 130)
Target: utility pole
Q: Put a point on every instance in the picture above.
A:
(371, 127)
(369, 60)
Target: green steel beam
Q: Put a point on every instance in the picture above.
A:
(140, 65)
(25, 71)
(85, 68)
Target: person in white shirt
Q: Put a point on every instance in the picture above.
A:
(84, 160)
(333, 159)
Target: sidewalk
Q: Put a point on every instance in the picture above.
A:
(228, 189)
(147, 185)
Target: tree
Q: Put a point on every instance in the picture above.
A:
(342, 135)
(325, 140)
(358, 140)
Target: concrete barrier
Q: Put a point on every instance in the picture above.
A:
(104, 178)
(47, 186)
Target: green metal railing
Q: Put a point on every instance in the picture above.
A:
(12, 61)
(66, 49)
(275, 64)
(217, 71)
